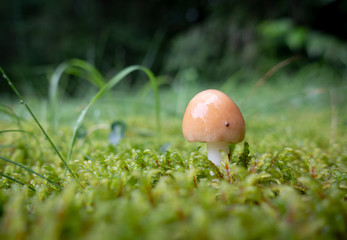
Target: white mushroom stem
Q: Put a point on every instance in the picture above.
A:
(213, 153)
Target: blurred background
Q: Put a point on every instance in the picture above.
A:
(207, 41)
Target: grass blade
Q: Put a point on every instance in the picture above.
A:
(15, 130)
(32, 171)
(267, 75)
(93, 75)
(23, 131)
(154, 83)
(113, 81)
(38, 124)
(17, 181)
(74, 67)
(8, 111)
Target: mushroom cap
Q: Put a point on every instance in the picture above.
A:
(211, 116)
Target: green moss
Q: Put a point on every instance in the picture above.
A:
(285, 183)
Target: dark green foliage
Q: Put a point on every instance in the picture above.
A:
(218, 39)
(245, 158)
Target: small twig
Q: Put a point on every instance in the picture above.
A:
(334, 116)
(268, 74)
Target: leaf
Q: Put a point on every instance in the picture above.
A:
(244, 158)
(117, 132)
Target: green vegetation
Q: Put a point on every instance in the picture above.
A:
(93, 149)
(288, 180)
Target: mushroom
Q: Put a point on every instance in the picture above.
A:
(212, 117)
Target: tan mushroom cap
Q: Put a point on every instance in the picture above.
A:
(211, 116)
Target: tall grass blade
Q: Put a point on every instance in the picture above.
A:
(17, 181)
(74, 67)
(38, 124)
(32, 171)
(113, 81)
(334, 116)
(154, 83)
(154, 47)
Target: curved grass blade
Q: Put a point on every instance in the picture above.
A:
(267, 75)
(117, 78)
(38, 124)
(32, 171)
(8, 111)
(91, 73)
(23, 131)
(74, 67)
(17, 181)
(15, 130)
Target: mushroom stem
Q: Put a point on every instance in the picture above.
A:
(213, 153)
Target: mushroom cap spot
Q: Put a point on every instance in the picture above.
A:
(206, 115)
